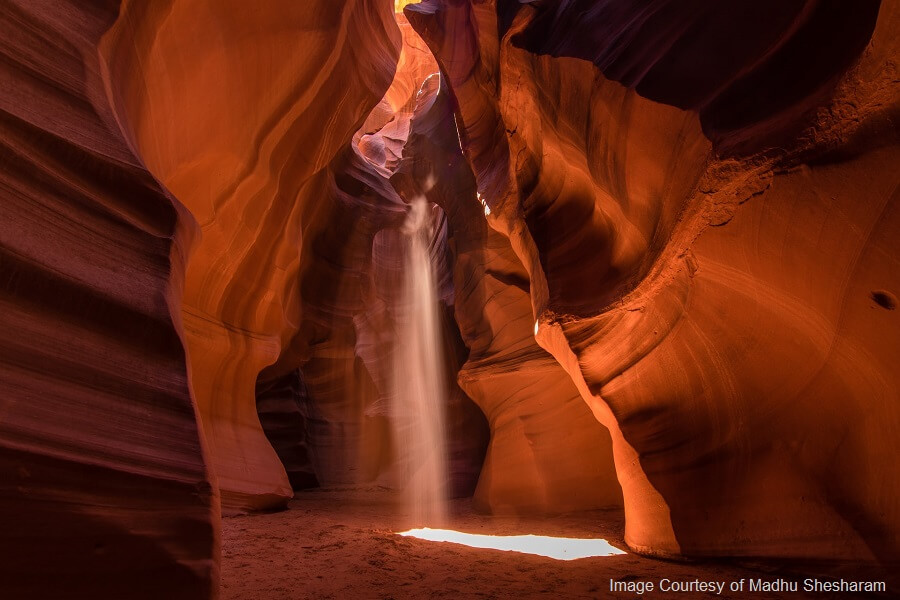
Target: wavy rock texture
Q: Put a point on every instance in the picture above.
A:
(547, 454)
(241, 112)
(283, 406)
(344, 336)
(466, 428)
(104, 490)
(701, 202)
(350, 271)
(374, 280)
(666, 251)
(349, 439)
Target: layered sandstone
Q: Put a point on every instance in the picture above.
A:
(241, 112)
(546, 453)
(104, 487)
(665, 248)
(701, 202)
(351, 266)
(284, 406)
(383, 142)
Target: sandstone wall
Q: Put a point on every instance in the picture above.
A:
(546, 453)
(105, 490)
(241, 112)
(701, 196)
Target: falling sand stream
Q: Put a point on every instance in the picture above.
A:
(419, 398)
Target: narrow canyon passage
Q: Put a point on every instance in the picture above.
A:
(282, 281)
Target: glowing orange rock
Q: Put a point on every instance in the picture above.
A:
(239, 111)
(703, 218)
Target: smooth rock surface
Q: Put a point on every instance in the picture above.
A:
(701, 203)
(240, 112)
(546, 453)
(104, 486)
(664, 240)
(283, 406)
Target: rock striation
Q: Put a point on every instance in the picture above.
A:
(701, 204)
(242, 113)
(546, 453)
(283, 406)
(350, 269)
(105, 491)
(665, 240)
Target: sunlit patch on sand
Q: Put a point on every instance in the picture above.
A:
(553, 547)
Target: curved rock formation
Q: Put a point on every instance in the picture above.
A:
(104, 490)
(364, 304)
(666, 251)
(350, 269)
(701, 203)
(244, 133)
(546, 452)
(283, 406)
(349, 438)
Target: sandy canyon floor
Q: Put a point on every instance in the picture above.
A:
(342, 544)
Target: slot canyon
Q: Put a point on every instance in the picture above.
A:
(289, 288)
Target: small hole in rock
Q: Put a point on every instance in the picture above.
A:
(884, 299)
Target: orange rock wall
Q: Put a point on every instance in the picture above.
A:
(546, 453)
(668, 243)
(240, 111)
(105, 490)
(701, 202)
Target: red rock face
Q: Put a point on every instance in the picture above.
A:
(243, 114)
(546, 453)
(665, 240)
(104, 488)
(702, 209)
(284, 408)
